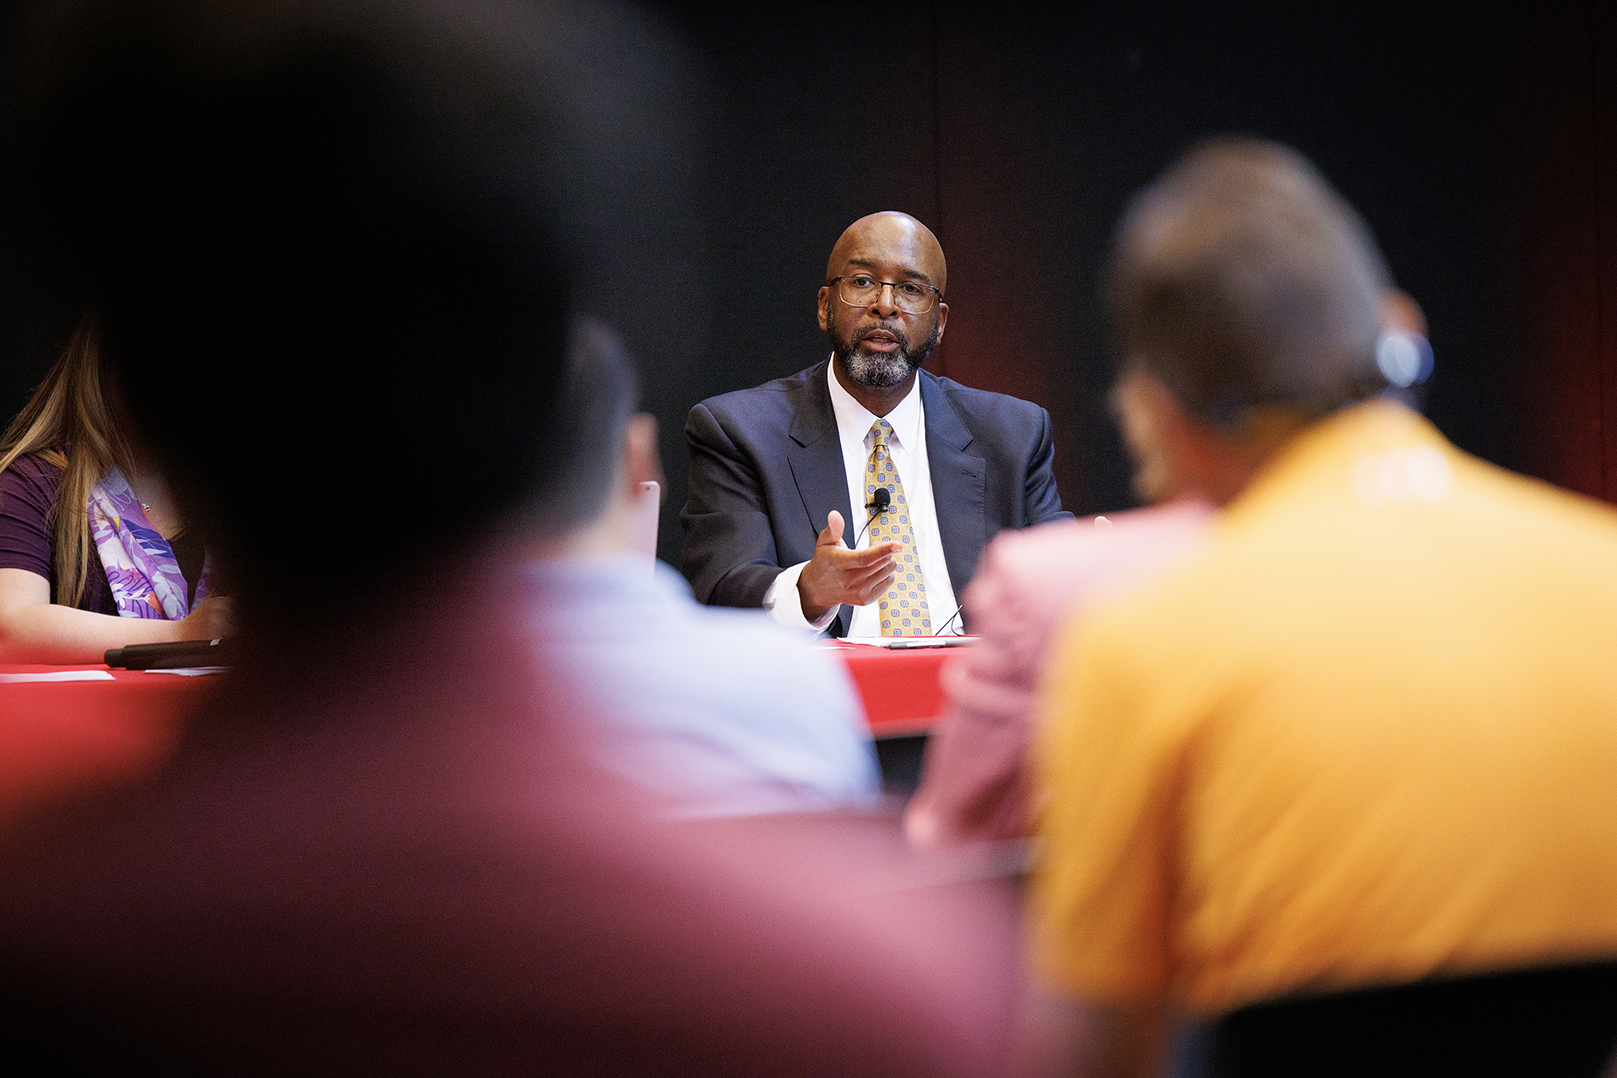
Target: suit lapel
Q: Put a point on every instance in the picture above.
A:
(816, 462)
(959, 484)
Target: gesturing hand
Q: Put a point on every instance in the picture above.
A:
(836, 574)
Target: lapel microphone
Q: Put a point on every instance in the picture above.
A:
(877, 505)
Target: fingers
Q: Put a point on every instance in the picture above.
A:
(832, 535)
(880, 554)
(865, 564)
(868, 591)
(838, 575)
(869, 574)
(862, 585)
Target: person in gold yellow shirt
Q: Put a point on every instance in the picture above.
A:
(1367, 736)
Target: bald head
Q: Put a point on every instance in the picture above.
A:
(893, 237)
(880, 336)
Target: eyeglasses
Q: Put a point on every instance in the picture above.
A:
(911, 297)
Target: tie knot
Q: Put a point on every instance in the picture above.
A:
(882, 430)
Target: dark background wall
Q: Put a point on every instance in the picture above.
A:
(1481, 148)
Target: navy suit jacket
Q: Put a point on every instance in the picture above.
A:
(766, 469)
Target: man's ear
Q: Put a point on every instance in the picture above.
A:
(1401, 314)
(642, 463)
(825, 300)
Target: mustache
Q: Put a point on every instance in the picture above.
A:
(893, 331)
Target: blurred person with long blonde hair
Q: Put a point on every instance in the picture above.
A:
(94, 553)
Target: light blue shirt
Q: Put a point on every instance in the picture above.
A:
(713, 711)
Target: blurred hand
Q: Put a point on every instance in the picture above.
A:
(836, 575)
(212, 617)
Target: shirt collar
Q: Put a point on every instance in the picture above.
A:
(854, 420)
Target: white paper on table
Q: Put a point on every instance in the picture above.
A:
(60, 675)
(906, 642)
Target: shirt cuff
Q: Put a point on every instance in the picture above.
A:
(786, 606)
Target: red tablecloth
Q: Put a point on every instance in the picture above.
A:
(900, 688)
(57, 736)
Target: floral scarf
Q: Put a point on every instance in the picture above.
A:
(141, 571)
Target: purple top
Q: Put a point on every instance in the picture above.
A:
(27, 492)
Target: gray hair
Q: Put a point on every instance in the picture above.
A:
(1241, 279)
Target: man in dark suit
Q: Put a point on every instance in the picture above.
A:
(777, 470)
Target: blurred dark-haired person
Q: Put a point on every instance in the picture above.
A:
(1341, 781)
(713, 712)
(94, 552)
(384, 845)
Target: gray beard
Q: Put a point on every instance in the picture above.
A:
(881, 370)
(877, 370)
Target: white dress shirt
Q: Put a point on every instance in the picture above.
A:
(908, 446)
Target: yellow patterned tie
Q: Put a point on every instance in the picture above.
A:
(903, 610)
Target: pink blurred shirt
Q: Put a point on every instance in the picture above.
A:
(973, 785)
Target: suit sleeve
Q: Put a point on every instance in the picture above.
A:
(730, 557)
(1039, 485)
